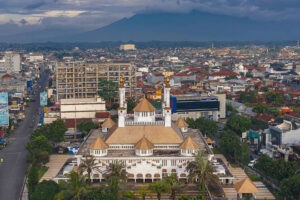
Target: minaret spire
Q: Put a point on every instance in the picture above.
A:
(166, 103)
(122, 112)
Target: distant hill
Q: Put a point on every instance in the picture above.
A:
(193, 26)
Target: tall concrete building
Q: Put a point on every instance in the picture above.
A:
(80, 79)
(11, 62)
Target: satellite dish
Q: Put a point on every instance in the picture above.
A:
(209, 94)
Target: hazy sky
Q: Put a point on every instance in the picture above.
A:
(16, 15)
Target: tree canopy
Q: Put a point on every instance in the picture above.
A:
(45, 190)
(54, 132)
(107, 89)
(206, 127)
(248, 97)
(85, 127)
(39, 143)
(238, 123)
(274, 97)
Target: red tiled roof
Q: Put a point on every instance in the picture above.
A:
(7, 76)
(70, 123)
(264, 117)
(101, 115)
(249, 67)
(224, 73)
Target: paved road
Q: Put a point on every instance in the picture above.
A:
(12, 171)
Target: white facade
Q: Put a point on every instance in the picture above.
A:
(11, 62)
(35, 57)
(81, 108)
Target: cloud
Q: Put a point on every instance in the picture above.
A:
(35, 5)
(91, 14)
(34, 19)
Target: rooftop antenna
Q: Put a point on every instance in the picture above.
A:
(298, 44)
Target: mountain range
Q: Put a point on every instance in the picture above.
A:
(192, 26)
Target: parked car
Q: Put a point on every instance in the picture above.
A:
(252, 163)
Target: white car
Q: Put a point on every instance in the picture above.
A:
(251, 163)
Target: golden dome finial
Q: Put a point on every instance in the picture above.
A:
(122, 81)
(167, 81)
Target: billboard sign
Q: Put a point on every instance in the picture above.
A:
(4, 113)
(43, 99)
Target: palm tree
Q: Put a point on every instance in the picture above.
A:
(88, 165)
(200, 169)
(73, 189)
(116, 175)
(116, 169)
(144, 191)
(159, 187)
(174, 184)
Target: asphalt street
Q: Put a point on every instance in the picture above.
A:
(14, 167)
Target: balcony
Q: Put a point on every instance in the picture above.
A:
(133, 123)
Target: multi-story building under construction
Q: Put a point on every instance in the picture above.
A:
(80, 79)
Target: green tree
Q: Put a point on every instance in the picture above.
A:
(248, 97)
(206, 127)
(85, 127)
(88, 164)
(274, 97)
(230, 109)
(144, 192)
(201, 170)
(245, 153)
(116, 175)
(74, 188)
(230, 145)
(230, 77)
(107, 89)
(58, 129)
(40, 156)
(97, 194)
(54, 132)
(39, 143)
(257, 124)
(45, 190)
(128, 195)
(131, 103)
(32, 177)
(260, 108)
(174, 184)
(238, 124)
(278, 169)
(249, 74)
(290, 187)
(159, 187)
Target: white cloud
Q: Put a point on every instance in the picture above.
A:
(34, 19)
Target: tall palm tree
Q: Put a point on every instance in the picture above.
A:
(74, 188)
(174, 184)
(88, 164)
(200, 169)
(115, 175)
(159, 187)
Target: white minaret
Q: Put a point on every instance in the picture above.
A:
(123, 105)
(166, 103)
